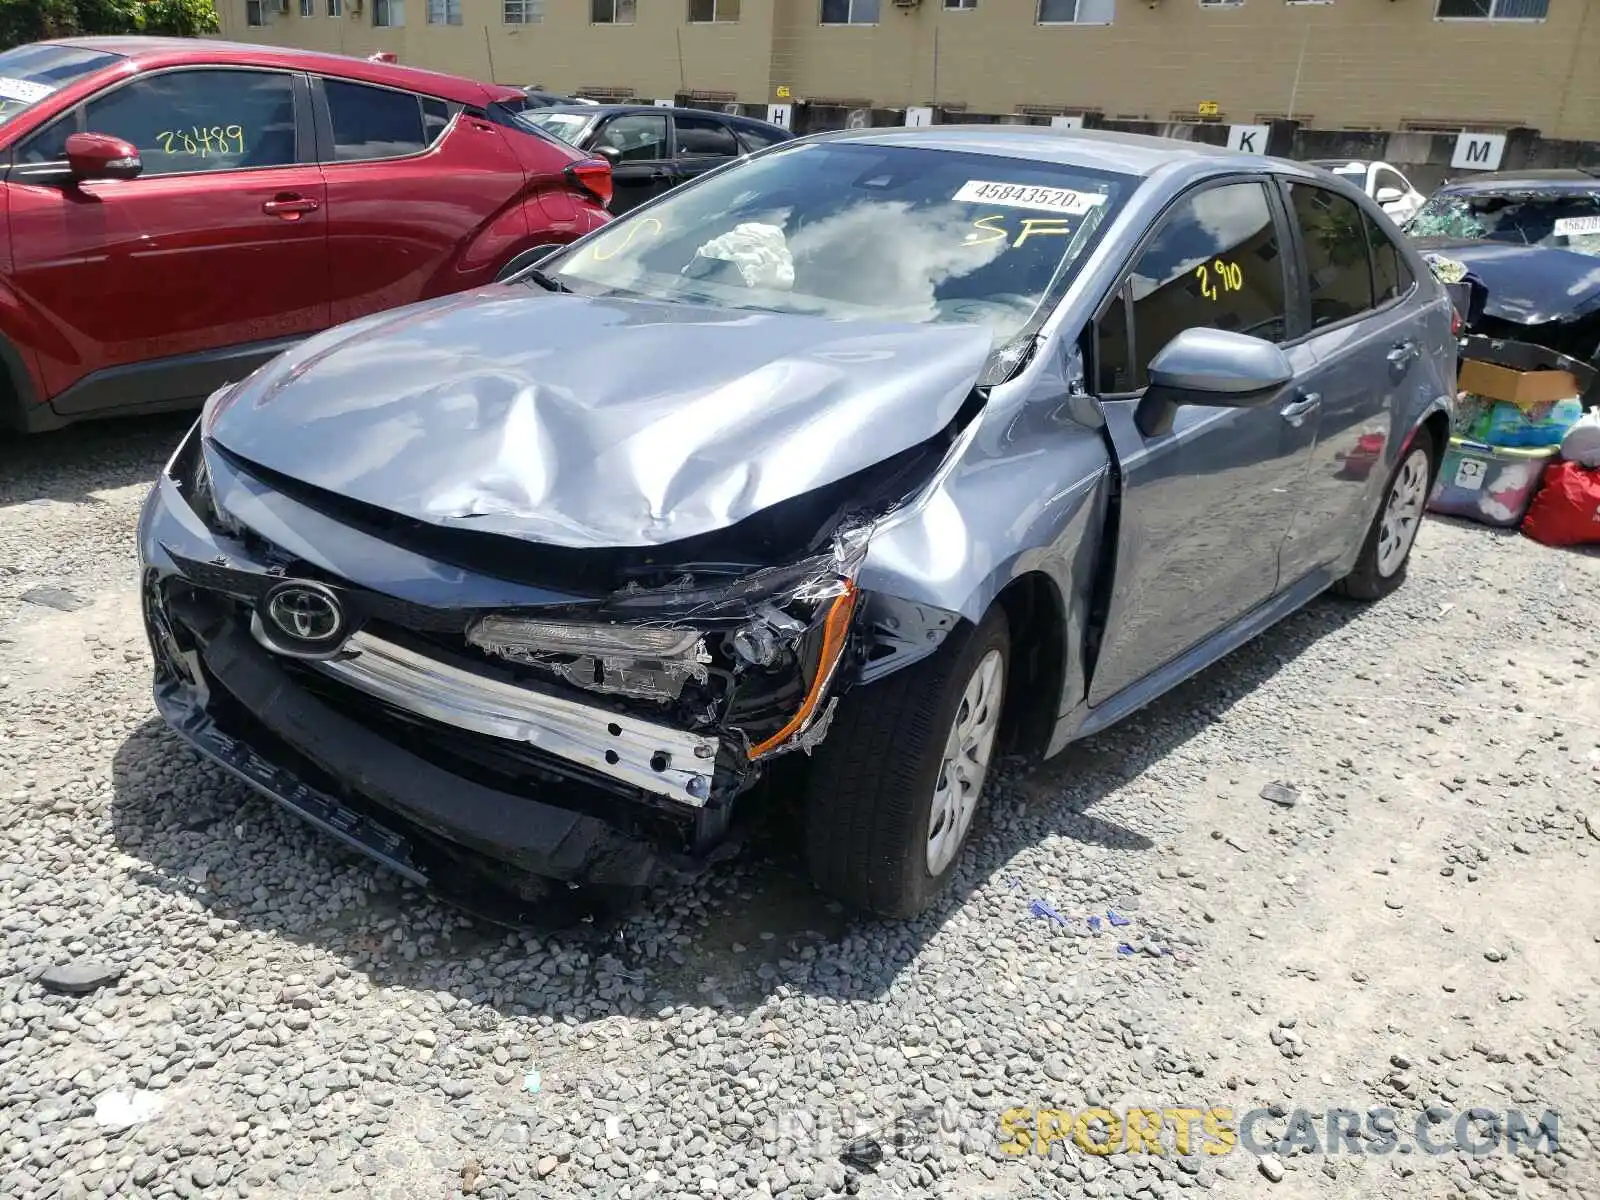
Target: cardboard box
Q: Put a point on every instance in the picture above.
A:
(1522, 388)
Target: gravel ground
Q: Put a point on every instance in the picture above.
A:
(267, 1015)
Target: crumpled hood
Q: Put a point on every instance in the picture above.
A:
(1530, 285)
(594, 422)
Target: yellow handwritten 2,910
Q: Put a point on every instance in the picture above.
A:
(1229, 278)
(203, 141)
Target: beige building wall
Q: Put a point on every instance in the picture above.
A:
(1384, 64)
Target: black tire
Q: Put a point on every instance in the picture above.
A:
(871, 787)
(1368, 580)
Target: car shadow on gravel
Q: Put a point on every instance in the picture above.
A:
(733, 936)
(71, 464)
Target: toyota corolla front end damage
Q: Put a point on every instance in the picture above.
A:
(509, 607)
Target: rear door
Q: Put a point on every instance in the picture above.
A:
(423, 196)
(195, 271)
(1205, 505)
(639, 147)
(1364, 355)
(704, 143)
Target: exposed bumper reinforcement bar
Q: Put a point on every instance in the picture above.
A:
(656, 758)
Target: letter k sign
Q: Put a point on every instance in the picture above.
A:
(1252, 139)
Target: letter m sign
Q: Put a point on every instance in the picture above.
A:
(1478, 151)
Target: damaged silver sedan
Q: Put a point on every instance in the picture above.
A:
(891, 449)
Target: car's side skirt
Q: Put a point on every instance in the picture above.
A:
(1083, 721)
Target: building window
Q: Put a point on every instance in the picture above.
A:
(336, 8)
(611, 12)
(523, 12)
(1077, 12)
(255, 12)
(960, 5)
(308, 8)
(712, 12)
(444, 12)
(1221, 3)
(849, 12)
(389, 14)
(1494, 10)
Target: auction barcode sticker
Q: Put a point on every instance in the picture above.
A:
(22, 89)
(1568, 226)
(1021, 195)
(1469, 475)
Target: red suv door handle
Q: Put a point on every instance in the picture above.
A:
(289, 206)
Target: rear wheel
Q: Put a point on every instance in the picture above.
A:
(1384, 555)
(896, 785)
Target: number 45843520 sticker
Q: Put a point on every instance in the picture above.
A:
(1469, 474)
(1021, 195)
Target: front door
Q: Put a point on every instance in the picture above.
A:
(1205, 506)
(196, 270)
(640, 152)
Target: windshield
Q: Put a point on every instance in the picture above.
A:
(567, 126)
(30, 73)
(850, 230)
(1570, 222)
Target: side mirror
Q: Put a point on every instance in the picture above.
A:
(1389, 195)
(610, 153)
(97, 156)
(1212, 367)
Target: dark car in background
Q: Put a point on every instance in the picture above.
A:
(1532, 241)
(174, 213)
(651, 147)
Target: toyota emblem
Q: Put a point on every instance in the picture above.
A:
(304, 616)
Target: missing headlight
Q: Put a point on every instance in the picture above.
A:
(648, 662)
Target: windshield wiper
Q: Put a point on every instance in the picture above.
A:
(548, 282)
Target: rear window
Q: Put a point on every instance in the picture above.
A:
(374, 122)
(567, 126)
(30, 73)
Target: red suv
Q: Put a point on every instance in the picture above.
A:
(173, 213)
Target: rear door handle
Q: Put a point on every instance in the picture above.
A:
(1402, 353)
(289, 206)
(1295, 411)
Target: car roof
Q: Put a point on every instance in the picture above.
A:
(150, 52)
(591, 110)
(1126, 153)
(1558, 179)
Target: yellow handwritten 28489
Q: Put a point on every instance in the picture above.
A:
(203, 140)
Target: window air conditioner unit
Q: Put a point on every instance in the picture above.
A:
(907, 3)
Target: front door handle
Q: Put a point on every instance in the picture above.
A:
(289, 207)
(1295, 411)
(1402, 353)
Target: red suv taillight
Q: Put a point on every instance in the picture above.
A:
(593, 175)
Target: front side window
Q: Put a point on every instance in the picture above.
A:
(704, 137)
(1338, 273)
(611, 12)
(1494, 10)
(444, 12)
(844, 230)
(389, 14)
(1569, 221)
(707, 12)
(30, 73)
(523, 12)
(187, 122)
(849, 12)
(374, 122)
(1216, 263)
(1076, 12)
(636, 137)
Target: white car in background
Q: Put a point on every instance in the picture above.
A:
(1386, 185)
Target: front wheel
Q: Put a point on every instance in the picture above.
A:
(1382, 565)
(895, 787)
